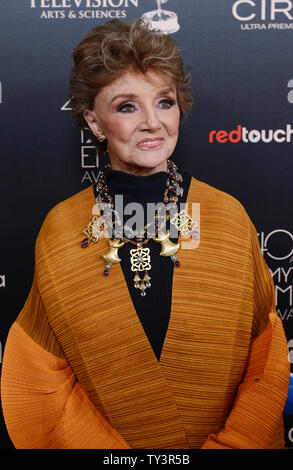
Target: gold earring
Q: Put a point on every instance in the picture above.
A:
(100, 137)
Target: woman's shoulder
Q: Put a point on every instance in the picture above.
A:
(210, 194)
(218, 208)
(215, 198)
(72, 212)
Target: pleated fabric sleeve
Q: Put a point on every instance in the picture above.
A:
(44, 405)
(255, 420)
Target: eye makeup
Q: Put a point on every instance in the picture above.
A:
(128, 107)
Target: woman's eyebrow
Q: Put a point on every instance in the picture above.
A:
(128, 96)
(132, 96)
(165, 91)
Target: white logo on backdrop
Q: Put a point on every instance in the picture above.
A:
(89, 156)
(263, 14)
(278, 245)
(83, 9)
(2, 280)
(281, 235)
(290, 94)
(1, 93)
(164, 20)
(66, 106)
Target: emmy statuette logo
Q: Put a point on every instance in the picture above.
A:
(164, 20)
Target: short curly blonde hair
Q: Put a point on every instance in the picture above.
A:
(111, 49)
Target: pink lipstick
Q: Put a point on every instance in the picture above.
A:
(154, 143)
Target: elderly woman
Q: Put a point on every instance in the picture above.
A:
(144, 338)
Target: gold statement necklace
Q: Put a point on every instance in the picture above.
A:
(140, 259)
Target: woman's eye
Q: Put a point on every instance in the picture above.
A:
(166, 103)
(126, 108)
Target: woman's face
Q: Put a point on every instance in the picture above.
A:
(139, 116)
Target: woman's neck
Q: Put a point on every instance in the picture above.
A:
(136, 169)
(136, 188)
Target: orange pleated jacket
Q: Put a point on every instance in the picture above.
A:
(79, 372)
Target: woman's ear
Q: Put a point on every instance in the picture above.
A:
(90, 118)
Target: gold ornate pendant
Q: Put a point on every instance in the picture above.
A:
(141, 261)
(95, 229)
(184, 223)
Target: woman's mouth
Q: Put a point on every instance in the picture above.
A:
(151, 143)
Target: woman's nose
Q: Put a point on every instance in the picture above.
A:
(150, 120)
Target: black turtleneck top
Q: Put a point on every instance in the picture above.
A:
(154, 308)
